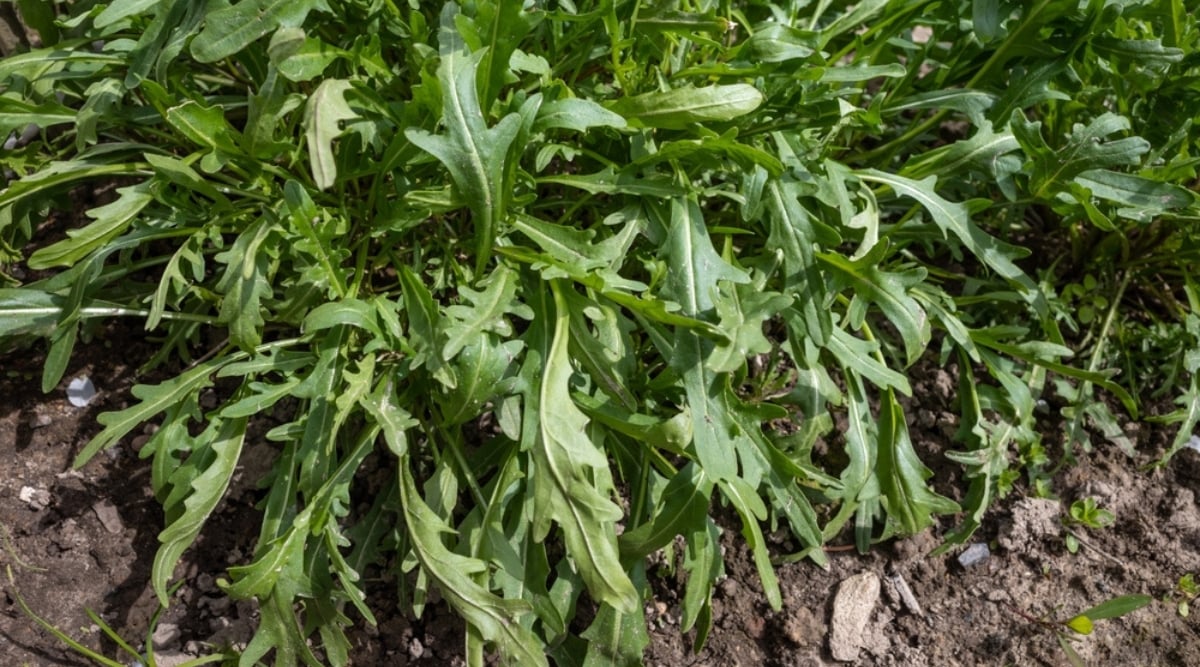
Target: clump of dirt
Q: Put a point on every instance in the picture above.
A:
(86, 539)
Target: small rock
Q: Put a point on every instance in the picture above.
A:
(37, 499)
(165, 634)
(40, 421)
(109, 517)
(974, 554)
(415, 649)
(852, 607)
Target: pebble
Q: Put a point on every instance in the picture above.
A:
(852, 607)
(37, 499)
(974, 554)
(109, 517)
(165, 634)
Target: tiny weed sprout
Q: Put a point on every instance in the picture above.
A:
(519, 273)
(1083, 623)
(1186, 591)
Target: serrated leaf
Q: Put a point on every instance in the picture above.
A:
(743, 308)
(206, 490)
(494, 618)
(244, 285)
(954, 218)
(487, 313)
(153, 399)
(474, 154)
(886, 289)
(570, 486)
(110, 221)
(1050, 168)
(680, 107)
(901, 474)
(232, 28)
(323, 115)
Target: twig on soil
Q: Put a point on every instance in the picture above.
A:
(1098, 550)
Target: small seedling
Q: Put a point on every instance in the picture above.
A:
(1083, 623)
(1186, 590)
(1088, 514)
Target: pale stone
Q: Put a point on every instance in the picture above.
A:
(852, 607)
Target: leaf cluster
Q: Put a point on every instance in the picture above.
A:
(576, 278)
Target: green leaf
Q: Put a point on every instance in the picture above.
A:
(680, 107)
(245, 284)
(153, 400)
(230, 29)
(1050, 168)
(743, 308)
(777, 43)
(901, 474)
(474, 154)
(487, 313)
(1118, 606)
(298, 57)
(225, 438)
(572, 484)
(575, 114)
(494, 618)
(1142, 198)
(110, 221)
(953, 218)
(206, 126)
(325, 111)
(887, 290)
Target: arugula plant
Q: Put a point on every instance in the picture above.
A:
(537, 255)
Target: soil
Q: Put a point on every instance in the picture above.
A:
(85, 539)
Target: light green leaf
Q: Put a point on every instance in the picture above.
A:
(206, 126)
(153, 400)
(575, 114)
(244, 285)
(743, 308)
(487, 313)
(298, 57)
(474, 154)
(953, 218)
(887, 290)
(494, 618)
(323, 115)
(233, 28)
(110, 221)
(679, 108)
(572, 485)
(206, 490)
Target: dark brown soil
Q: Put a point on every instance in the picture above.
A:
(77, 540)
